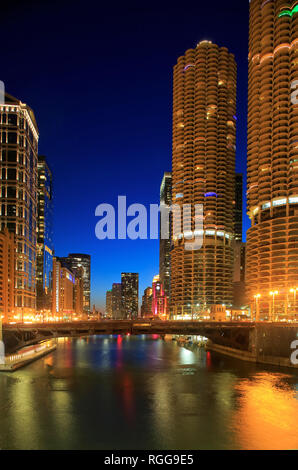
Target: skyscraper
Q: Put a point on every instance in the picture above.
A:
(203, 172)
(117, 311)
(165, 244)
(146, 307)
(76, 261)
(18, 177)
(130, 294)
(44, 236)
(109, 303)
(239, 299)
(272, 166)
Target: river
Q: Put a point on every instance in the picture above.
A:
(141, 392)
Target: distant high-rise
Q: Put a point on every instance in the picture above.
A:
(109, 304)
(117, 311)
(238, 206)
(130, 294)
(146, 307)
(44, 236)
(78, 260)
(18, 178)
(203, 172)
(165, 244)
(272, 151)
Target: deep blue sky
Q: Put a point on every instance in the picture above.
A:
(98, 76)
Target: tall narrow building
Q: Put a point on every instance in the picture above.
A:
(272, 167)
(130, 294)
(109, 303)
(203, 172)
(18, 209)
(165, 244)
(44, 236)
(117, 311)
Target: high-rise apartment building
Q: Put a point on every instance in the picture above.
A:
(117, 311)
(203, 172)
(130, 294)
(76, 261)
(18, 210)
(165, 244)
(7, 275)
(272, 167)
(44, 236)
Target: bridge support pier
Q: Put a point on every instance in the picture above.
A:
(267, 344)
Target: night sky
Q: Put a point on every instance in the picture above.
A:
(98, 76)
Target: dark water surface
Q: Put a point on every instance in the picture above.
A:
(109, 392)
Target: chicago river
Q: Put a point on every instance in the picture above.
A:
(124, 392)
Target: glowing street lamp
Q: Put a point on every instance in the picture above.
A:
(257, 297)
(273, 294)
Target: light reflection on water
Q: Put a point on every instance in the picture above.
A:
(113, 392)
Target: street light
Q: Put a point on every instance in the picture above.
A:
(273, 294)
(257, 297)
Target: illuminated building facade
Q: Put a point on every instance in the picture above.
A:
(146, 307)
(79, 299)
(117, 311)
(18, 211)
(44, 236)
(165, 244)
(130, 294)
(63, 306)
(7, 275)
(159, 299)
(203, 172)
(272, 167)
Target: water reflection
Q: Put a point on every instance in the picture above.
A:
(268, 413)
(114, 392)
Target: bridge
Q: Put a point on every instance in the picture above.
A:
(256, 342)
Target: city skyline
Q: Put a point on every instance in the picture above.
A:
(154, 72)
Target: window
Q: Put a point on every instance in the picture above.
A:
(11, 156)
(12, 119)
(11, 174)
(12, 137)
